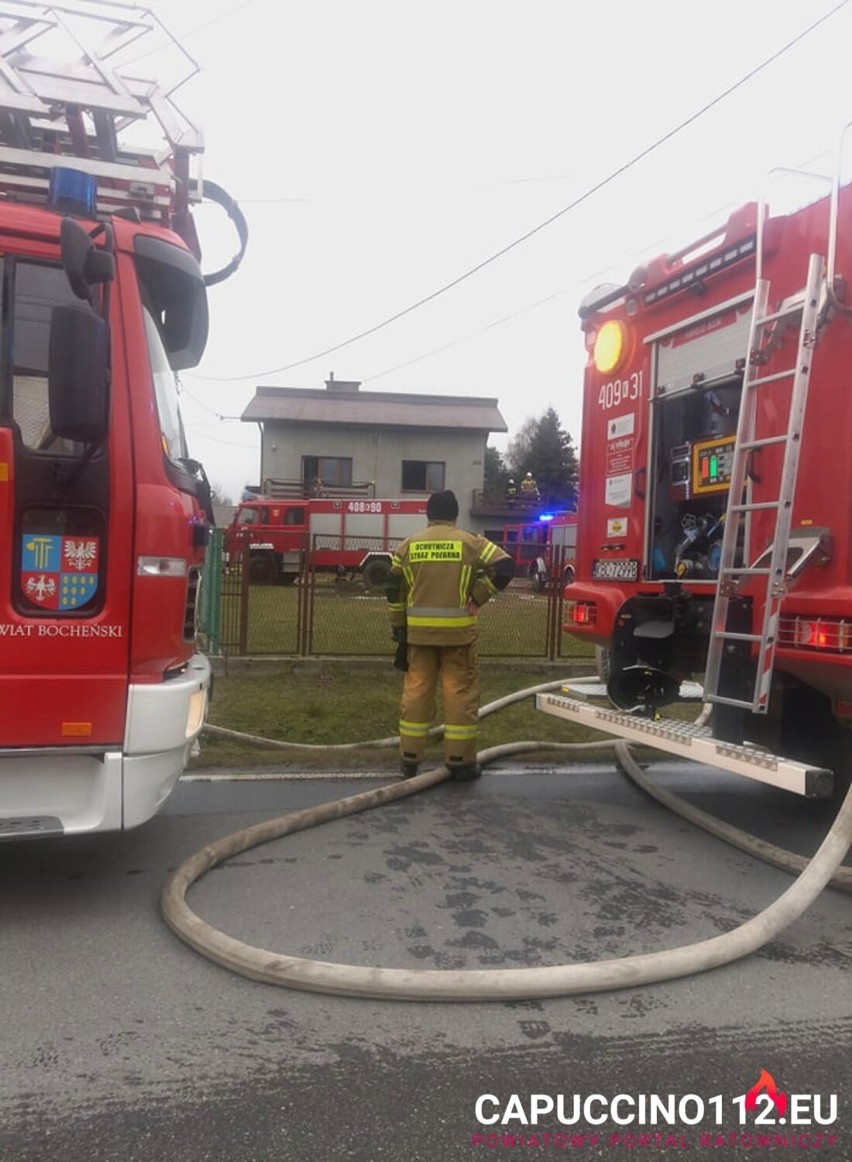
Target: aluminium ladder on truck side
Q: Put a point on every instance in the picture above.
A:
(767, 578)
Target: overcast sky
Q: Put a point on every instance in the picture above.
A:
(382, 148)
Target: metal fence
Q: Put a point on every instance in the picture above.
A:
(322, 614)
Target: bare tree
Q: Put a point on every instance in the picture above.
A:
(219, 496)
(518, 449)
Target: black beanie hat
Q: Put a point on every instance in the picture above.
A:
(442, 506)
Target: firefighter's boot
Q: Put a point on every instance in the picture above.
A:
(408, 770)
(465, 772)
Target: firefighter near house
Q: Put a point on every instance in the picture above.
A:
(714, 529)
(105, 516)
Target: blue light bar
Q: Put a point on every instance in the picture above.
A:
(546, 516)
(73, 190)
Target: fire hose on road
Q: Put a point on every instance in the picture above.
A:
(822, 870)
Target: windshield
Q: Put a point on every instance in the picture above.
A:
(165, 392)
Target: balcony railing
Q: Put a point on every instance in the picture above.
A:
(485, 503)
(299, 490)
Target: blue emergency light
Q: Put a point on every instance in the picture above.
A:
(546, 516)
(73, 191)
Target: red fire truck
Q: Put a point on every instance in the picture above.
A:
(542, 546)
(103, 516)
(331, 534)
(716, 516)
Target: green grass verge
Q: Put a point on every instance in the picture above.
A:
(342, 701)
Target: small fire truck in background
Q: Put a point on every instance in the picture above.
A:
(104, 518)
(543, 549)
(715, 529)
(340, 535)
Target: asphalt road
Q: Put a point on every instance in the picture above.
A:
(119, 1042)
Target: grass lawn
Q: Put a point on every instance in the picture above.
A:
(342, 701)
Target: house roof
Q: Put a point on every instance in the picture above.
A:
(374, 409)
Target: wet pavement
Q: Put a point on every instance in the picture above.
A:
(122, 1043)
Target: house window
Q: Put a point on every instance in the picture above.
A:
(423, 475)
(327, 470)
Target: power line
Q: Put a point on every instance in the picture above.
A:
(712, 216)
(227, 443)
(470, 335)
(190, 31)
(219, 416)
(647, 151)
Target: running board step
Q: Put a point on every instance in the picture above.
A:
(696, 743)
(30, 827)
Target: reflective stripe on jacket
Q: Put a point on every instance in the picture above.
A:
(437, 571)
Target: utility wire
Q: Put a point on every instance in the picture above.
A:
(189, 31)
(712, 216)
(649, 149)
(464, 338)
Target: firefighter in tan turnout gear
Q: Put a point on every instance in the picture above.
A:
(439, 579)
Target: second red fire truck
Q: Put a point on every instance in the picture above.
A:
(715, 525)
(332, 534)
(543, 549)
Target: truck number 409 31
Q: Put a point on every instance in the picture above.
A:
(619, 391)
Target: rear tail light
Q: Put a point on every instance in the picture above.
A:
(832, 634)
(581, 613)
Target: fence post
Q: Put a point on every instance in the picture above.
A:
(244, 595)
(554, 603)
(210, 613)
(309, 620)
(304, 607)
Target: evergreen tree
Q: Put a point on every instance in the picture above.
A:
(543, 448)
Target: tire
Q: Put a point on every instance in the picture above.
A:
(568, 575)
(375, 574)
(262, 569)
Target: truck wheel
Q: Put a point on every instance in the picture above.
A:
(568, 575)
(261, 569)
(375, 574)
(539, 581)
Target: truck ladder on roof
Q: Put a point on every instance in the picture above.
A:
(78, 101)
(767, 579)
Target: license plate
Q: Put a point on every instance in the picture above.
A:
(615, 570)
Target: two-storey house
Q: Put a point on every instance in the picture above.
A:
(384, 444)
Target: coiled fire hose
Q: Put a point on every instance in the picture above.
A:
(822, 869)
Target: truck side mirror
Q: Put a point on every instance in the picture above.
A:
(83, 263)
(77, 375)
